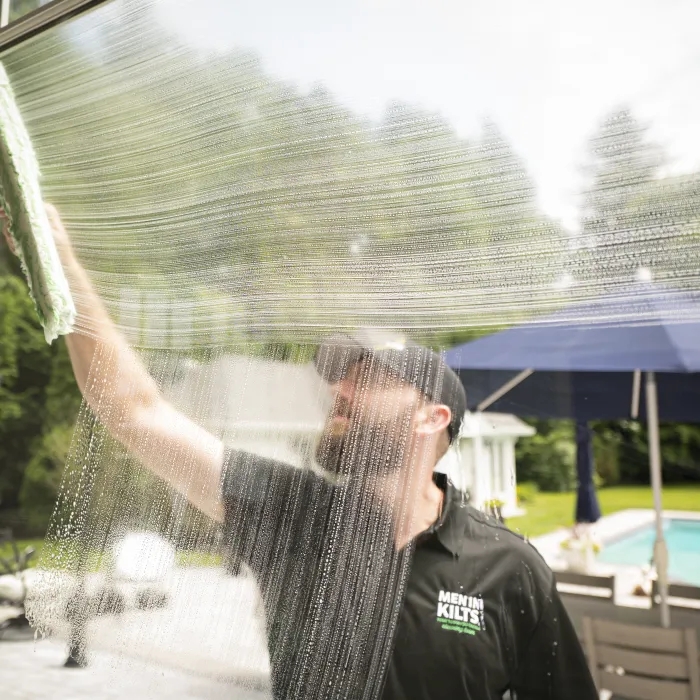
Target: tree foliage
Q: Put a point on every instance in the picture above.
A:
(306, 155)
(548, 458)
(25, 361)
(632, 218)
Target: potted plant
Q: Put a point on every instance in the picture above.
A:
(494, 508)
(579, 550)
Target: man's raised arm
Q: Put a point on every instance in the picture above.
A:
(126, 399)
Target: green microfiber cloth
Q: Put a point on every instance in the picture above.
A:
(29, 228)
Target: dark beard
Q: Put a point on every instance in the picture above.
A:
(363, 452)
(330, 452)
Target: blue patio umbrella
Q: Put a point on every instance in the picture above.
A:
(583, 396)
(587, 360)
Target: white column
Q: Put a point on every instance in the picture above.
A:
(464, 478)
(509, 488)
(482, 488)
(4, 13)
(495, 471)
(467, 457)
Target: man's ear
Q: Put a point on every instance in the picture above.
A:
(432, 419)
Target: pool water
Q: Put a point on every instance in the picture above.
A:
(682, 539)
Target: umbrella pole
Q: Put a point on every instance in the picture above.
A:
(660, 549)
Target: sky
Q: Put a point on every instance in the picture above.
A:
(546, 71)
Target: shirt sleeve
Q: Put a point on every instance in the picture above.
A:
(263, 507)
(553, 666)
(249, 482)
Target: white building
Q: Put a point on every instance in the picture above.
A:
(487, 440)
(277, 409)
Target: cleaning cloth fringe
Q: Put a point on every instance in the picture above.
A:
(29, 227)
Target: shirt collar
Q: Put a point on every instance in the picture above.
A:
(449, 528)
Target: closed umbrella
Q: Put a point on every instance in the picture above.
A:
(587, 507)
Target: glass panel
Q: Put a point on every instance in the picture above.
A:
(239, 182)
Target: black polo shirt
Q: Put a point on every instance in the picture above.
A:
(467, 611)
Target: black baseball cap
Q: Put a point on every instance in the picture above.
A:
(414, 364)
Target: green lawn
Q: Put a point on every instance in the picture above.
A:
(547, 512)
(550, 511)
(6, 550)
(66, 552)
(184, 558)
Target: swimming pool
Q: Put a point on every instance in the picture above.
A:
(682, 539)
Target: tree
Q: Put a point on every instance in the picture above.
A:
(548, 458)
(39, 400)
(216, 178)
(25, 362)
(622, 171)
(42, 478)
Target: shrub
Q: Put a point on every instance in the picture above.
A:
(549, 458)
(606, 455)
(42, 478)
(526, 492)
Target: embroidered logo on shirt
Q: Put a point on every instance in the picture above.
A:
(460, 613)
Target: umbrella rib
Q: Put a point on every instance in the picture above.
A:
(636, 391)
(510, 384)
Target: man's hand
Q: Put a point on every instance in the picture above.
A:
(59, 232)
(6, 231)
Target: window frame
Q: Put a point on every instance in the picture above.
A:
(39, 20)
